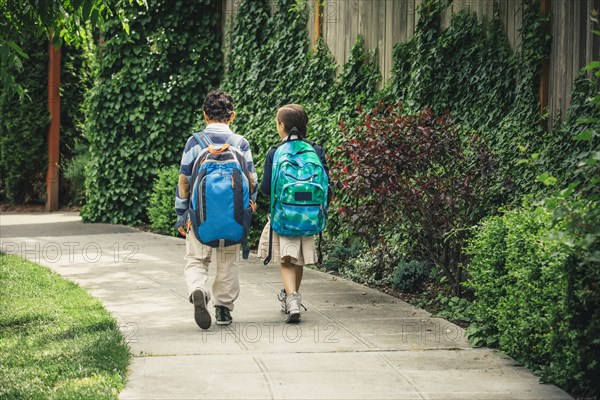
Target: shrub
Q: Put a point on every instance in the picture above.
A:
(535, 276)
(25, 120)
(375, 265)
(161, 209)
(410, 276)
(340, 251)
(23, 130)
(73, 171)
(415, 168)
(76, 80)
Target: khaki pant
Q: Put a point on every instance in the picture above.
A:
(226, 286)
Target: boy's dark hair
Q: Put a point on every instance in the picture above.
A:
(218, 106)
(293, 116)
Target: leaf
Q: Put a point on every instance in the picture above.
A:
(87, 8)
(551, 202)
(125, 26)
(591, 66)
(18, 49)
(94, 17)
(589, 120)
(585, 135)
(569, 190)
(546, 179)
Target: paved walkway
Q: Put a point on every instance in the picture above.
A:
(353, 343)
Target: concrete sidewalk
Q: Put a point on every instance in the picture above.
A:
(353, 342)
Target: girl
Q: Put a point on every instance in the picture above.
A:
(291, 252)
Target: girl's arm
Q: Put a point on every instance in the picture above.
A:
(265, 184)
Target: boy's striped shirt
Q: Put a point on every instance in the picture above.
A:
(218, 133)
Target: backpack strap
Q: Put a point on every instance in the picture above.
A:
(320, 256)
(270, 254)
(202, 139)
(300, 139)
(235, 140)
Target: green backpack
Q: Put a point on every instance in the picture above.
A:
(299, 192)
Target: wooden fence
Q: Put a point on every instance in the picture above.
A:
(383, 23)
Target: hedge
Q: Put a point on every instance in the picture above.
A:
(535, 273)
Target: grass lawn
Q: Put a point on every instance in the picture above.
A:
(56, 341)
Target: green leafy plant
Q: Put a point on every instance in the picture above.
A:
(339, 252)
(422, 85)
(23, 131)
(375, 265)
(572, 156)
(73, 171)
(535, 269)
(469, 71)
(61, 21)
(149, 88)
(160, 209)
(25, 126)
(535, 275)
(410, 276)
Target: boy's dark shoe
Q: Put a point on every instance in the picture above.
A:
(201, 314)
(222, 315)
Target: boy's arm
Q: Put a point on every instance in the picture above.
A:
(182, 191)
(182, 195)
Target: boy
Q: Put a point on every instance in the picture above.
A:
(218, 113)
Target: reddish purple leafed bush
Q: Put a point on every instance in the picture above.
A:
(413, 174)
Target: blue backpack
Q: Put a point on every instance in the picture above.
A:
(221, 184)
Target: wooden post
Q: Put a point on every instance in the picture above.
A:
(318, 22)
(545, 77)
(54, 131)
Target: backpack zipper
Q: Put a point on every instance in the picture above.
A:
(301, 180)
(201, 200)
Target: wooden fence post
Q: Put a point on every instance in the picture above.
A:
(54, 130)
(318, 22)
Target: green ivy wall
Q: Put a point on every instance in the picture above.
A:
(146, 98)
